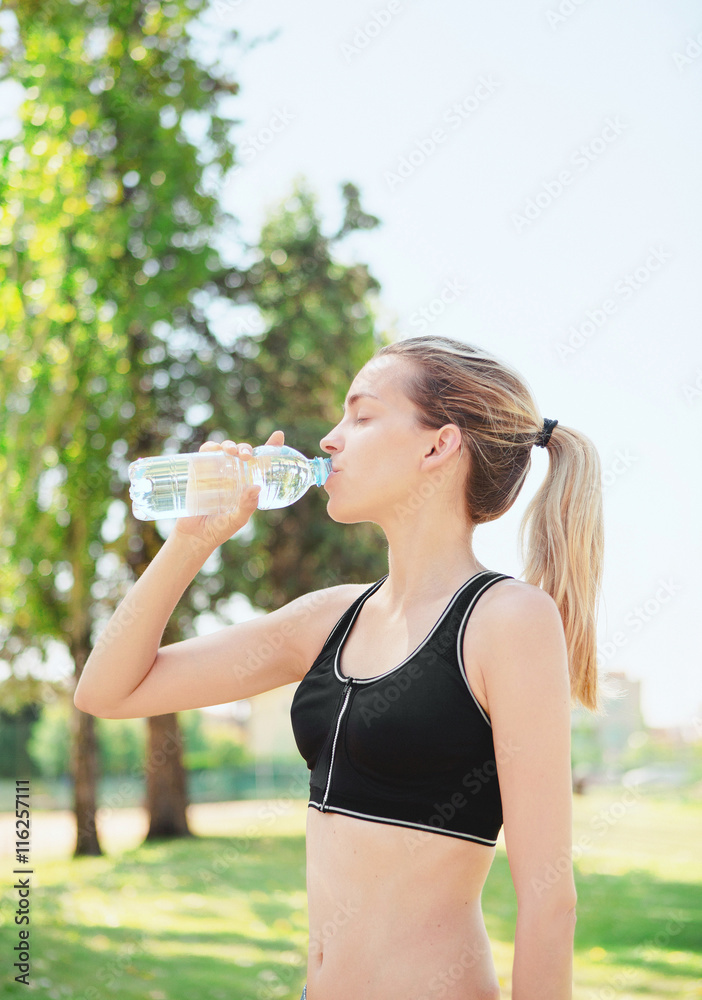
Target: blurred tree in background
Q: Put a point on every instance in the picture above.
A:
(111, 250)
(105, 231)
(317, 328)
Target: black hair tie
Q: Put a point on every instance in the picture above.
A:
(545, 435)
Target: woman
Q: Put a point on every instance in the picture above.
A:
(433, 705)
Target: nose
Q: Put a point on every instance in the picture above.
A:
(330, 441)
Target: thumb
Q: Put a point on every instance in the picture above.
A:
(251, 494)
(276, 439)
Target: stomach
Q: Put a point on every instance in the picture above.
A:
(394, 913)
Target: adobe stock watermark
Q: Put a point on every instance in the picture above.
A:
(376, 24)
(690, 54)
(391, 692)
(173, 744)
(422, 318)
(556, 16)
(276, 639)
(447, 978)
(225, 8)
(253, 144)
(630, 978)
(124, 617)
(341, 915)
(115, 969)
(473, 782)
(618, 467)
(603, 821)
(453, 118)
(416, 498)
(638, 618)
(581, 159)
(275, 983)
(268, 812)
(595, 319)
(692, 391)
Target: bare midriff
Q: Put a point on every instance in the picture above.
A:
(394, 913)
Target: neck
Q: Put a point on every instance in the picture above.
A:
(430, 555)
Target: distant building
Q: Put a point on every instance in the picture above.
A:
(623, 718)
(599, 741)
(269, 730)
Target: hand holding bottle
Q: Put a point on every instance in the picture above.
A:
(215, 529)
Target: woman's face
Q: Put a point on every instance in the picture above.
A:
(377, 447)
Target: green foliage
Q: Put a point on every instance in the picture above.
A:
(586, 749)
(15, 730)
(222, 751)
(106, 228)
(318, 329)
(108, 252)
(122, 743)
(49, 744)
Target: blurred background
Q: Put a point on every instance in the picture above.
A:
(213, 213)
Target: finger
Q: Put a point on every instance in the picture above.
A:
(210, 446)
(231, 447)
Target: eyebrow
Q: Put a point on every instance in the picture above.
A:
(360, 395)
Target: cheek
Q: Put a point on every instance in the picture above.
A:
(385, 469)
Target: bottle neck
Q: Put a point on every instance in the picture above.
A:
(321, 469)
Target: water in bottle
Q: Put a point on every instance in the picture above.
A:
(211, 482)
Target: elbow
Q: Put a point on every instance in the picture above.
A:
(101, 712)
(80, 704)
(552, 905)
(83, 706)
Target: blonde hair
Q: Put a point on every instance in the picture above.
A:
(457, 383)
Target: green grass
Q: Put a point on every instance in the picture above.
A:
(225, 918)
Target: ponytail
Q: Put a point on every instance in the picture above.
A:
(452, 382)
(564, 553)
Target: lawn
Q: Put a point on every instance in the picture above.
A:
(223, 916)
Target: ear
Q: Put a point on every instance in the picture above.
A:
(443, 444)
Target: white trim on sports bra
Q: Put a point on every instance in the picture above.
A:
(369, 680)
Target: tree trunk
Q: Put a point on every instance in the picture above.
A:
(84, 770)
(84, 746)
(166, 782)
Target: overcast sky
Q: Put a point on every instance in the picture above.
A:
(536, 168)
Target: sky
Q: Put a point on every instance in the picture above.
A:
(536, 169)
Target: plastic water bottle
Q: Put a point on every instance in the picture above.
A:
(211, 482)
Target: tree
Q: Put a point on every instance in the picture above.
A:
(108, 240)
(106, 228)
(316, 328)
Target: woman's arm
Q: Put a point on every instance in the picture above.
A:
(128, 675)
(524, 665)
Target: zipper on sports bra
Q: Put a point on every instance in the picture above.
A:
(347, 692)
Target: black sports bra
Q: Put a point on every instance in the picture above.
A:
(410, 747)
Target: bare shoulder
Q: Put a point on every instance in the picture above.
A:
(513, 602)
(513, 622)
(319, 611)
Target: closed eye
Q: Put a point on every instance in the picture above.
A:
(361, 420)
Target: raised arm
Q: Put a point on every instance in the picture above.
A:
(127, 675)
(524, 667)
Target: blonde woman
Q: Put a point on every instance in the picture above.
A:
(433, 706)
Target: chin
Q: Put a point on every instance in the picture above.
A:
(348, 515)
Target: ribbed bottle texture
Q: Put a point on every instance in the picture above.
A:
(211, 482)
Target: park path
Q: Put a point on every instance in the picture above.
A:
(53, 832)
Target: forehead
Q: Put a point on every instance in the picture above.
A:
(384, 377)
